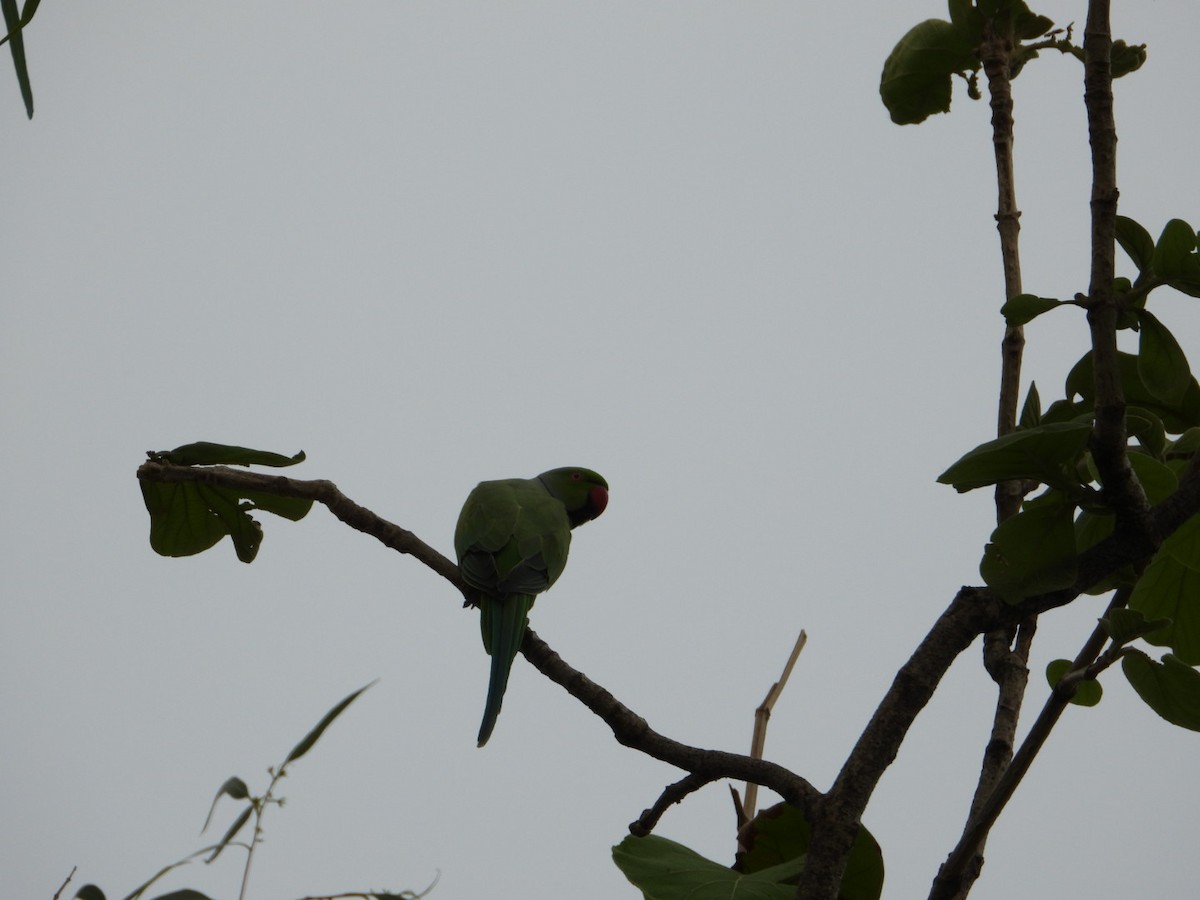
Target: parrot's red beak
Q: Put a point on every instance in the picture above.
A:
(597, 501)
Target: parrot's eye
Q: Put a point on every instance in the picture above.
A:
(575, 476)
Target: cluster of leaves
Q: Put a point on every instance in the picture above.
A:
(237, 789)
(1036, 551)
(187, 518)
(774, 845)
(918, 75)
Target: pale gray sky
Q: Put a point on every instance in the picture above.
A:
(435, 243)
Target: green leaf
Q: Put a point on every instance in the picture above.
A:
(1148, 429)
(13, 26)
(1027, 25)
(206, 453)
(1031, 412)
(1126, 58)
(1066, 411)
(1176, 417)
(1162, 363)
(1157, 479)
(1170, 688)
(233, 787)
(1136, 242)
(916, 79)
(306, 743)
(181, 523)
(1087, 691)
(230, 833)
(189, 517)
(965, 16)
(1091, 528)
(1034, 551)
(1187, 443)
(244, 531)
(781, 834)
(1169, 590)
(1184, 544)
(665, 870)
(1041, 454)
(1124, 625)
(1025, 308)
(1174, 253)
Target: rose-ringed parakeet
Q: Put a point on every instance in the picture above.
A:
(512, 540)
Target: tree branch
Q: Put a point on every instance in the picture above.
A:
(835, 816)
(836, 823)
(1005, 650)
(634, 732)
(994, 54)
(1109, 442)
(972, 612)
(962, 866)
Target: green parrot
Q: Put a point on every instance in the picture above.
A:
(512, 540)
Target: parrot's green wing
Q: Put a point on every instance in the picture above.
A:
(512, 537)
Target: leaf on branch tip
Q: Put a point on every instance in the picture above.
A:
(206, 453)
(306, 743)
(233, 787)
(1031, 411)
(187, 518)
(916, 78)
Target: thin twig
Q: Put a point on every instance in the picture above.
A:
(1005, 650)
(66, 881)
(1109, 444)
(762, 715)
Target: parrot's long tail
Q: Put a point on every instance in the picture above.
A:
(503, 624)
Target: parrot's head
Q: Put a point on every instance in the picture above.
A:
(583, 492)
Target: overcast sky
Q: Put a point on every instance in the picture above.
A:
(435, 243)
